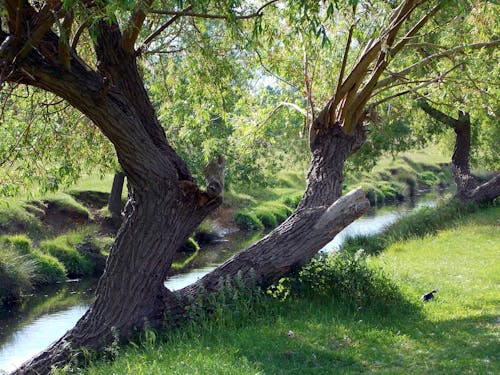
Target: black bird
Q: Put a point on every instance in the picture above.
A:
(428, 296)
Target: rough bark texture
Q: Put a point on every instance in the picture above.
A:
(468, 187)
(318, 218)
(115, 196)
(165, 205)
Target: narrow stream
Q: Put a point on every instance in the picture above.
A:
(43, 318)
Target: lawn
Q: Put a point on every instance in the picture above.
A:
(456, 333)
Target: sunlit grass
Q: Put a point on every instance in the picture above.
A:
(455, 333)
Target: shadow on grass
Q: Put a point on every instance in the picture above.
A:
(320, 337)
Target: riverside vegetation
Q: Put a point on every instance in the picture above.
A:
(348, 312)
(68, 235)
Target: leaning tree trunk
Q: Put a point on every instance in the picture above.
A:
(468, 187)
(165, 206)
(321, 214)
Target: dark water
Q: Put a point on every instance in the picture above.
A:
(45, 317)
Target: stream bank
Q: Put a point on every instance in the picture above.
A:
(58, 310)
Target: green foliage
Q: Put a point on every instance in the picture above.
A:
(67, 204)
(248, 220)
(16, 275)
(46, 268)
(14, 218)
(393, 179)
(347, 279)
(266, 218)
(310, 333)
(63, 248)
(49, 270)
(292, 200)
(428, 178)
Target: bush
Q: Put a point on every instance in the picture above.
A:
(19, 242)
(292, 200)
(344, 277)
(15, 219)
(248, 220)
(428, 178)
(47, 269)
(75, 263)
(266, 218)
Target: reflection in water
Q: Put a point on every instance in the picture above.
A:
(43, 318)
(48, 315)
(376, 220)
(34, 337)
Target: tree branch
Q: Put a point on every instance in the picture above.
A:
(183, 13)
(436, 114)
(162, 28)
(414, 30)
(134, 26)
(413, 89)
(384, 82)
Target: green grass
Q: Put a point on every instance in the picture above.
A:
(332, 333)
(66, 203)
(265, 208)
(15, 218)
(394, 178)
(46, 268)
(66, 248)
(419, 223)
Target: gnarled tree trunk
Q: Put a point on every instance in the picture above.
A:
(165, 205)
(468, 187)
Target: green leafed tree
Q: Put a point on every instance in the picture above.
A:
(94, 55)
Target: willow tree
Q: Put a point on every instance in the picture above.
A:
(40, 47)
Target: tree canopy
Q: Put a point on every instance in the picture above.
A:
(171, 84)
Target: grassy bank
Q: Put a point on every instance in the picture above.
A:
(350, 314)
(393, 180)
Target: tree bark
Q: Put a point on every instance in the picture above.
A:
(468, 188)
(318, 218)
(115, 196)
(165, 205)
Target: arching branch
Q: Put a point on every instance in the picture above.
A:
(134, 25)
(188, 13)
(449, 52)
(161, 29)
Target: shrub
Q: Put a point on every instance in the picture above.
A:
(266, 217)
(345, 277)
(19, 242)
(292, 200)
(428, 178)
(248, 220)
(75, 263)
(48, 270)
(15, 219)
(280, 210)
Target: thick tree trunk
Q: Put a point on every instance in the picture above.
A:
(468, 188)
(166, 205)
(115, 196)
(131, 292)
(318, 218)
